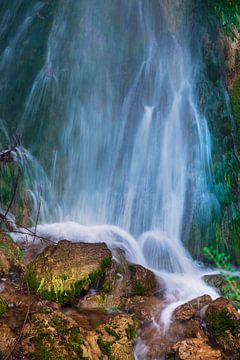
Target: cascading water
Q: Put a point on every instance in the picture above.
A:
(114, 106)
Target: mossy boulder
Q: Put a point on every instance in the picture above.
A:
(53, 336)
(10, 254)
(223, 324)
(113, 340)
(3, 306)
(62, 271)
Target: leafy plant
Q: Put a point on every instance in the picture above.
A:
(222, 261)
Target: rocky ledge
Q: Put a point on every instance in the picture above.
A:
(75, 301)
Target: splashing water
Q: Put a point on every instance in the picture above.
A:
(129, 146)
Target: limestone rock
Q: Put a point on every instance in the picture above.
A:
(7, 340)
(223, 324)
(192, 308)
(196, 349)
(62, 271)
(52, 335)
(113, 340)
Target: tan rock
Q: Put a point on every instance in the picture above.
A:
(195, 349)
(192, 308)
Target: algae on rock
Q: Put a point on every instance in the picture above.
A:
(62, 271)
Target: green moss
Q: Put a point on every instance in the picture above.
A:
(139, 289)
(3, 306)
(131, 332)
(220, 322)
(111, 332)
(58, 293)
(104, 346)
(235, 95)
(63, 343)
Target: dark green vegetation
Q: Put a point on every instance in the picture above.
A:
(3, 306)
(221, 322)
(139, 289)
(104, 346)
(228, 14)
(235, 95)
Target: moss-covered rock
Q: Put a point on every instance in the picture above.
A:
(62, 271)
(114, 339)
(223, 324)
(121, 281)
(10, 254)
(53, 336)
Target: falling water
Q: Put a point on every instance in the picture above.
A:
(114, 105)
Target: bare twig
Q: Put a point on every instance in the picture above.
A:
(38, 212)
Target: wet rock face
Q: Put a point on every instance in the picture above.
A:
(223, 324)
(191, 309)
(62, 271)
(122, 281)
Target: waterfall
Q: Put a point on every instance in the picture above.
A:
(114, 110)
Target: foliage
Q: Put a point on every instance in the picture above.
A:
(228, 12)
(139, 289)
(222, 261)
(104, 346)
(3, 306)
(235, 96)
(131, 332)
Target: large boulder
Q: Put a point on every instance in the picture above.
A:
(62, 271)
(223, 325)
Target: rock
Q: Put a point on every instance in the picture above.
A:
(196, 349)
(122, 281)
(7, 340)
(217, 281)
(114, 340)
(191, 309)
(223, 324)
(10, 254)
(62, 271)
(129, 279)
(52, 335)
